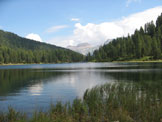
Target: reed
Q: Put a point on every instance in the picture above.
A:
(122, 102)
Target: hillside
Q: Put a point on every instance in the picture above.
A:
(15, 49)
(145, 43)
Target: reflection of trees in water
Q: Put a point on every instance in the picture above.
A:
(134, 76)
(15, 79)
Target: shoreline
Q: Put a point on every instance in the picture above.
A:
(139, 61)
(18, 64)
(131, 61)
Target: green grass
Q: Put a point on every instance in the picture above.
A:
(148, 59)
(123, 102)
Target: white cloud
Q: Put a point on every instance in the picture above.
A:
(62, 41)
(97, 34)
(0, 27)
(56, 28)
(130, 1)
(75, 19)
(34, 37)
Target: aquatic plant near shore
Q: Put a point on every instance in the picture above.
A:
(123, 102)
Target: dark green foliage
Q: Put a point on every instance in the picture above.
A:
(14, 49)
(145, 42)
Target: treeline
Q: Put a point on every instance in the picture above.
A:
(146, 42)
(15, 49)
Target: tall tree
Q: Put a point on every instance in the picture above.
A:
(144, 42)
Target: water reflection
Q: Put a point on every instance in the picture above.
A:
(36, 89)
(30, 87)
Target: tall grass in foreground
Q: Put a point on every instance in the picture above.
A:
(123, 102)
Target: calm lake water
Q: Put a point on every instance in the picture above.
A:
(30, 87)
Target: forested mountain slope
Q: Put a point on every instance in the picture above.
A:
(144, 43)
(15, 49)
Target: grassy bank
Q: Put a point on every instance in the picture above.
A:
(146, 59)
(141, 102)
(8, 64)
(119, 61)
(139, 61)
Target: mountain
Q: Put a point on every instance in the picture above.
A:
(145, 44)
(83, 48)
(107, 41)
(15, 49)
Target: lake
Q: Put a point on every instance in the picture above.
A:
(30, 87)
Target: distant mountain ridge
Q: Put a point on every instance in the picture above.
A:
(107, 41)
(83, 48)
(16, 49)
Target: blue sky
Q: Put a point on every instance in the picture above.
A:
(69, 22)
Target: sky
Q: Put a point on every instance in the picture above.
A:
(70, 22)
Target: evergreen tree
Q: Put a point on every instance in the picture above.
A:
(144, 42)
(15, 49)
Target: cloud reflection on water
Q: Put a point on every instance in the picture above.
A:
(36, 89)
